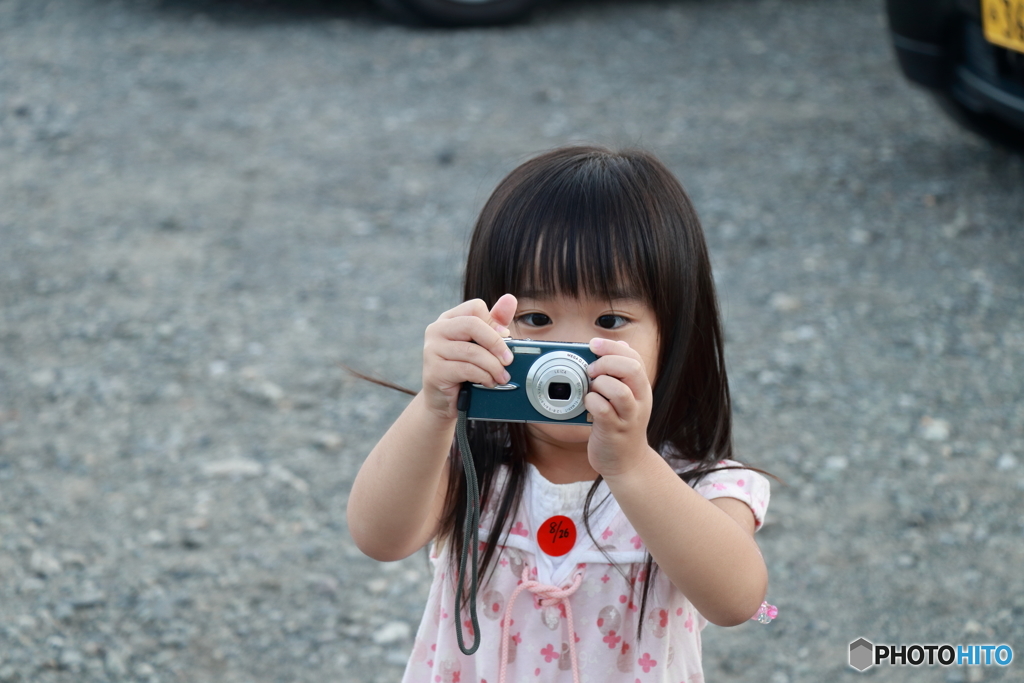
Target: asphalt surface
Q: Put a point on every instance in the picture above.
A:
(206, 208)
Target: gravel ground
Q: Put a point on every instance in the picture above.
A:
(206, 208)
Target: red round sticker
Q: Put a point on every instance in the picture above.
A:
(557, 535)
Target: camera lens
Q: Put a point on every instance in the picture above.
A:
(556, 384)
(559, 391)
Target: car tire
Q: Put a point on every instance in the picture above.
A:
(991, 128)
(458, 12)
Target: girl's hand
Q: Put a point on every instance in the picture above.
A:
(620, 402)
(450, 356)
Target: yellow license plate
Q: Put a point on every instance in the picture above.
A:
(1004, 23)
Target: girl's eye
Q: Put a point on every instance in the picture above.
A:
(611, 322)
(535, 319)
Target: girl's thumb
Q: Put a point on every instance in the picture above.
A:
(503, 311)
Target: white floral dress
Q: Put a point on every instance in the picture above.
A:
(602, 604)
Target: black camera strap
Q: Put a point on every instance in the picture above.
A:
(470, 530)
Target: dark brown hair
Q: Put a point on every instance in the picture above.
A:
(587, 220)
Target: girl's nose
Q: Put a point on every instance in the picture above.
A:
(572, 333)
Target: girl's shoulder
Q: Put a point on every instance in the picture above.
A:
(732, 479)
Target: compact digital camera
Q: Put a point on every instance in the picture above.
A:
(547, 384)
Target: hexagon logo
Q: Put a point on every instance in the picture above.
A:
(861, 654)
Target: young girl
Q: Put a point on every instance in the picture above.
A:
(629, 535)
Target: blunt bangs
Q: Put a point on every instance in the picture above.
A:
(582, 227)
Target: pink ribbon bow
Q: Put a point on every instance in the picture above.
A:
(549, 595)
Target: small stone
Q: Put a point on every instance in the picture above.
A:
(170, 224)
(72, 558)
(196, 523)
(70, 660)
(784, 303)
(32, 585)
(327, 441)
(325, 636)
(155, 538)
(115, 664)
(860, 236)
(172, 391)
(906, 561)
(192, 540)
(357, 223)
(377, 585)
(43, 378)
(972, 627)
(324, 584)
(44, 564)
(392, 632)
(234, 467)
(155, 606)
(90, 597)
(282, 473)
(264, 391)
(960, 223)
(800, 334)
(932, 429)
(445, 157)
(836, 462)
(1006, 462)
(729, 229)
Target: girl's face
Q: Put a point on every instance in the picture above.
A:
(569, 319)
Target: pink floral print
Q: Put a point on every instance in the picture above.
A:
(646, 662)
(605, 609)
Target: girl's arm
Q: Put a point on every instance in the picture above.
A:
(398, 495)
(706, 548)
(397, 498)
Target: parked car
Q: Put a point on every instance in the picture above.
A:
(970, 55)
(459, 12)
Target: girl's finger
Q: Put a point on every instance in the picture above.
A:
(617, 394)
(474, 307)
(499, 317)
(629, 371)
(610, 347)
(455, 373)
(503, 312)
(472, 329)
(465, 352)
(598, 406)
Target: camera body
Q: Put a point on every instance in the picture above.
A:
(547, 383)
